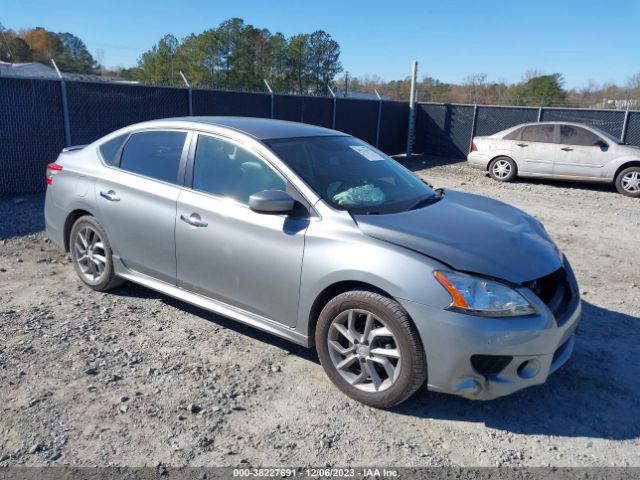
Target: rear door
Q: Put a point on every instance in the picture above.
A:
(579, 154)
(536, 149)
(137, 201)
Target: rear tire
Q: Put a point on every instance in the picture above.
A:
(503, 169)
(91, 255)
(628, 182)
(370, 349)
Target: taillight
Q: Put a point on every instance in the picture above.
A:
(473, 147)
(52, 169)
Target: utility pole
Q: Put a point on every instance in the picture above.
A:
(412, 108)
(346, 83)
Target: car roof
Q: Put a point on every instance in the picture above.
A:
(576, 124)
(258, 128)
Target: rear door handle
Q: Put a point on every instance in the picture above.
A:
(193, 219)
(523, 145)
(110, 195)
(567, 149)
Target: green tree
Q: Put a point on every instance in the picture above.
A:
(71, 54)
(540, 90)
(158, 64)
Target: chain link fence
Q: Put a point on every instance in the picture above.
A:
(38, 117)
(447, 129)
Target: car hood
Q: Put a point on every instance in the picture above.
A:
(473, 234)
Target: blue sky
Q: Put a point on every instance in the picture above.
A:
(583, 39)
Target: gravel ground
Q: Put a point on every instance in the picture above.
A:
(134, 378)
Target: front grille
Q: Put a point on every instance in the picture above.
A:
(555, 291)
(490, 364)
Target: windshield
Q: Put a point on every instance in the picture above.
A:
(350, 175)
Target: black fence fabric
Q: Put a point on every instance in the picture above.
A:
(98, 109)
(240, 104)
(31, 133)
(394, 123)
(633, 129)
(443, 129)
(314, 110)
(446, 130)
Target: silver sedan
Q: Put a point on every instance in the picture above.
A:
(317, 237)
(562, 150)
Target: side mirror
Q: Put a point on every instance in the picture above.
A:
(600, 143)
(271, 202)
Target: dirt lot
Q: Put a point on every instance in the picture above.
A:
(135, 378)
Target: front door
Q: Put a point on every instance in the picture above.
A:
(225, 250)
(580, 153)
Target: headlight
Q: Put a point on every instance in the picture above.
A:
(479, 296)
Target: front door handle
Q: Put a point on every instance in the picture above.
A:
(110, 195)
(567, 149)
(523, 145)
(193, 219)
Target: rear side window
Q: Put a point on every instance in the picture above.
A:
(571, 135)
(515, 135)
(110, 150)
(154, 154)
(538, 133)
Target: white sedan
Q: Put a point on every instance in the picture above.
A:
(567, 151)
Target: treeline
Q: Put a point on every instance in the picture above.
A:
(534, 89)
(39, 45)
(238, 55)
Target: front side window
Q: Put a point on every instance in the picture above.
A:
(570, 135)
(538, 133)
(154, 154)
(351, 175)
(226, 170)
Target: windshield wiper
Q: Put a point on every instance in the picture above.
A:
(423, 202)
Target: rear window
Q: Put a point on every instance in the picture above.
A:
(515, 135)
(538, 133)
(110, 150)
(154, 154)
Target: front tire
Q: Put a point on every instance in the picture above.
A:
(628, 182)
(503, 169)
(370, 349)
(91, 254)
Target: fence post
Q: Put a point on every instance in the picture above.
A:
(539, 114)
(412, 108)
(65, 106)
(623, 135)
(379, 118)
(333, 113)
(184, 79)
(473, 124)
(272, 97)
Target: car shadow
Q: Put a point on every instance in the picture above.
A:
(137, 291)
(596, 394)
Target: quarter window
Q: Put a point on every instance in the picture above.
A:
(110, 150)
(515, 135)
(570, 135)
(538, 133)
(154, 154)
(226, 170)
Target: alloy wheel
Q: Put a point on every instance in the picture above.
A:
(501, 168)
(631, 182)
(364, 351)
(90, 253)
